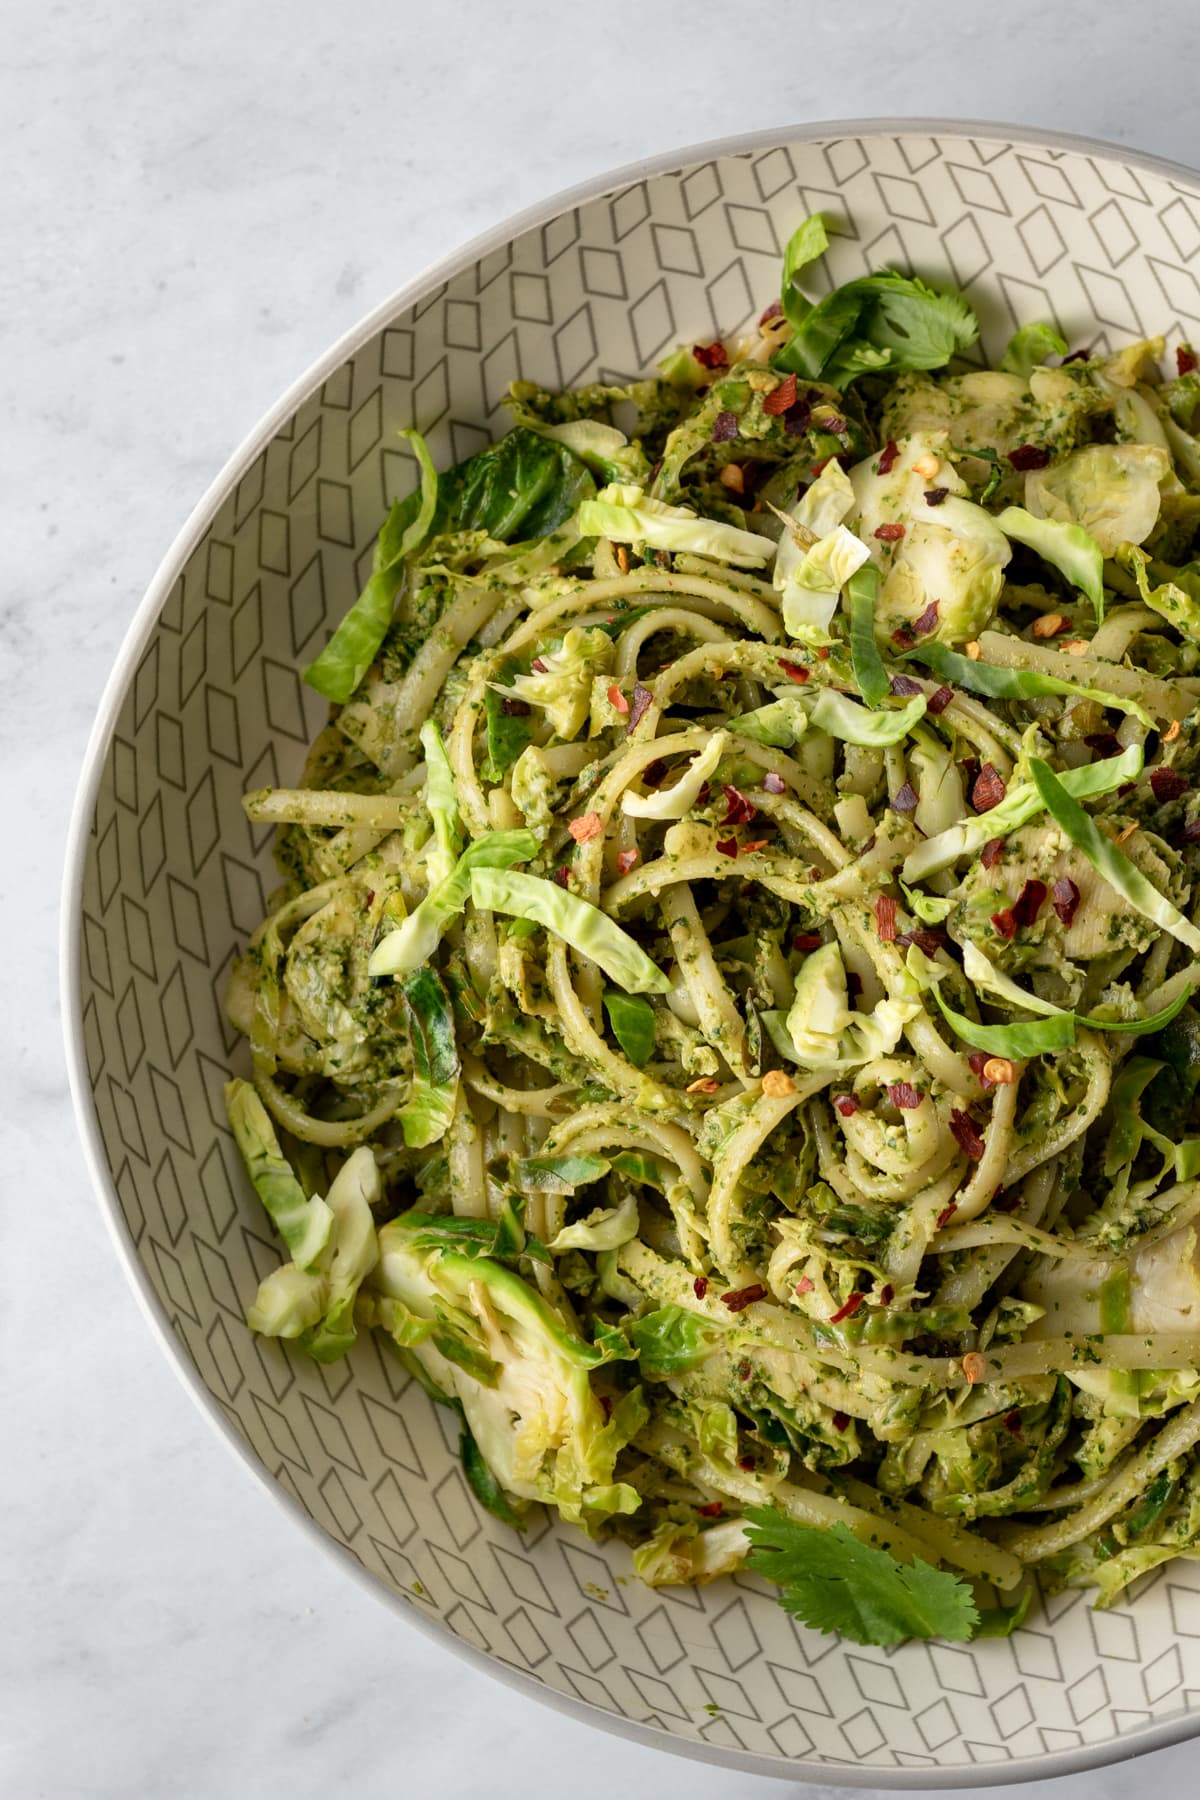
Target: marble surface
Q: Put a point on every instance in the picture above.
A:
(196, 201)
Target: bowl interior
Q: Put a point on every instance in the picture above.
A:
(175, 879)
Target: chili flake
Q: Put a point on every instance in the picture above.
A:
(1030, 901)
(1185, 359)
(752, 844)
(711, 1510)
(700, 1286)
(642, 697)
(965, 1135)
(1005, 922)
(707, 1084)
(885, 918)
(587, 827)
(934, 496)
(840, 1421)
(796, 672)
(887, 457)
(946, 1214)
(807, 940)
(617, 699)
(711, 356)
(889, 533)
(738, 810)
(774, 311)
(846, 1104)
(974, 1367)
(887, 1294)
(626, 860)
(939, 700)
(726, 846)
(848, 1309)
(927, 621)
(780, 398)
(737, 1299)
(904, 1095)
(1000, 1071)
(991, 853)
(804, 1285)
(562, 876)
(1065, 898)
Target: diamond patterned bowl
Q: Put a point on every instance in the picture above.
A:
(166, 878)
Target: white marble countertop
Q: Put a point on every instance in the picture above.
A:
(197, 200)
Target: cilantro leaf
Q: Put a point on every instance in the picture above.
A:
(832, 1582)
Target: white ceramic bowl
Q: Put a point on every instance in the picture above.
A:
(165, 879)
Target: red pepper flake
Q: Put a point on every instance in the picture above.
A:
(700, 1286)
(887, 1294)
(796, 672)
(746, 1463)
(804, 1285)
(848, 1309)
(713, 1510)
(1167, 784)
(807, 940)
(726, 846)
(626, 860)
(1030, 902)
(745, 1369)
(748, 849)
(889, 533)
(1029, 456)
(774, 311)
(946, 1214)
(840, 1421)
(905, 799)
(991, 853)
(846, 1104)
(515, 709)
(562, 876)
(925, 937)
(1005, 922)
(773, 783)
(887, 457)
(738, 810)
(587, 827)
(725, 427)
(1065, 897)
(822, 652)
(965, 1135)
(904, 1096)
(1185, 359)
(903, 638)
(616, 698)
(935, 496)
(1012, 1422)
(711, 356)
(988, 789)
(538, 665)
(978, 1061)
(737, 1299)
(905, 686)
(939, 700)
(780, 398)
(885, 918)
(927, 621)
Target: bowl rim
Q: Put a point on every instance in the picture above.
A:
(1156, 1735)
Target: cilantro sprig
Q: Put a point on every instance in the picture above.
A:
(831, 1581)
